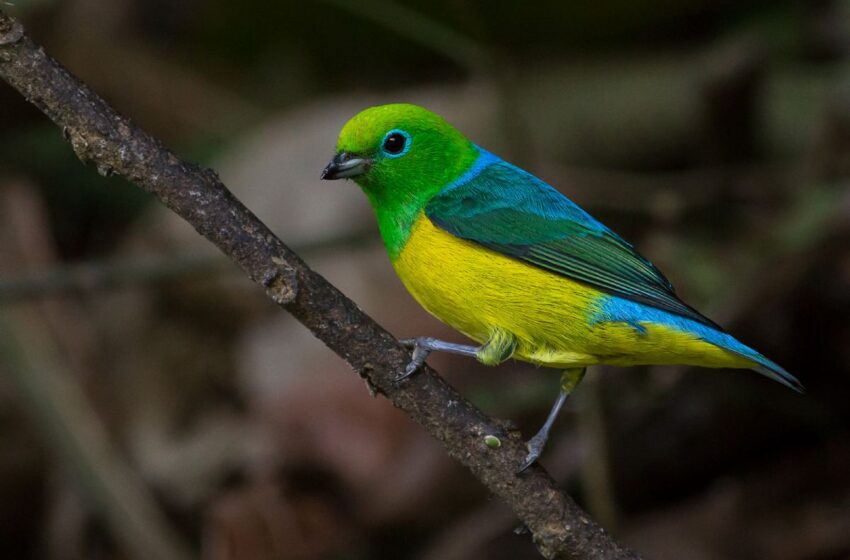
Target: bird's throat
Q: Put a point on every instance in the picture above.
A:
(395, 222)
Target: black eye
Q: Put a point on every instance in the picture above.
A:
(394, 143)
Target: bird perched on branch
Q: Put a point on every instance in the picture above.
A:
(515, 265)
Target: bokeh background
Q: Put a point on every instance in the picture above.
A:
(154, 404)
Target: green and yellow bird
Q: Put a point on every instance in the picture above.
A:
(515, 265)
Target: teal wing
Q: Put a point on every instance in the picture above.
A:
(508, 210)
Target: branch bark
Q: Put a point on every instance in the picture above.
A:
(101, 136)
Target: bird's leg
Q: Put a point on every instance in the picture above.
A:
(496, 350)
(569, 379)
(423, 345)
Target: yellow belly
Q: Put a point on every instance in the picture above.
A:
(476, 291)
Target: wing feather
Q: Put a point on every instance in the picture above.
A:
(514, 213)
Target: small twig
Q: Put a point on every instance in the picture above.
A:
(75, 433)
(596, 470)
(133, 271)
(475, 56)
(420, 28)
(115, 145)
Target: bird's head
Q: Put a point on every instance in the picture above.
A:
(399, 151)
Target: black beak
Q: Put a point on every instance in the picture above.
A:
(344, 165)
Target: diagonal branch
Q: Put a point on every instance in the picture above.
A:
(115, 145)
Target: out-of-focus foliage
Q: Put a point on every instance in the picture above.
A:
(715, 135)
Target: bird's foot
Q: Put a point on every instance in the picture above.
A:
(421, 349)
(535, 449)
(569, 379)
(424, 345)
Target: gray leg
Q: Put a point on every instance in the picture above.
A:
(569, 379)
(498, 348)
(423, 345)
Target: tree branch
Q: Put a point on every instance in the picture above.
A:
(101, 136)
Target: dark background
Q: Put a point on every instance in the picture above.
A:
(152, 399)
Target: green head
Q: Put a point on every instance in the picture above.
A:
(401, 155)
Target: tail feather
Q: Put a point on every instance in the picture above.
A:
(771, 370)
(617, 309)
(760, 363)
(777, 373)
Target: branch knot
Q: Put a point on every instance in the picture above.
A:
(281, 283)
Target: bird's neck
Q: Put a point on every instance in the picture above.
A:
(399, 202)
(396, 218)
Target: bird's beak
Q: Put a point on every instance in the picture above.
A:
(344, 165)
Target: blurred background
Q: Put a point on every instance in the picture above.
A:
(154, 403)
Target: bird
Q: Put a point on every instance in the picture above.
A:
(516, 266)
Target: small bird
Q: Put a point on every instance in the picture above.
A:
(516, 266)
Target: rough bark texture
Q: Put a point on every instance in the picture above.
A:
(115, 146)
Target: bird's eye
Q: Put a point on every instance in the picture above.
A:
(396, 143)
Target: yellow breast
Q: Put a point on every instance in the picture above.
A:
(478, 291)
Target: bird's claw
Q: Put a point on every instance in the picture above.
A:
(420, 353)
(535, 448)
